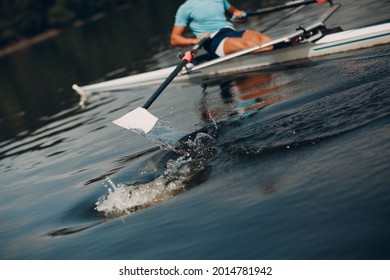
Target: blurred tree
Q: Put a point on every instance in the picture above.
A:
(85, 8)
(30, 16)
(24, 18)
(59, 14)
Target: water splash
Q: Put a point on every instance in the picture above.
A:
(179, 173)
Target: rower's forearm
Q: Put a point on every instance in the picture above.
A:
(180, 41)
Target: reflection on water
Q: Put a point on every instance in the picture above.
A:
(242, 96)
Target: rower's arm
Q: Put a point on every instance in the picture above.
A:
(178, 40)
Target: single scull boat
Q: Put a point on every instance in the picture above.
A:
(312, 41)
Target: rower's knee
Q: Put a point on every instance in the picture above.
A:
(258, 38)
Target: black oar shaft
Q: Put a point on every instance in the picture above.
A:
(165, 83)
(175, 72)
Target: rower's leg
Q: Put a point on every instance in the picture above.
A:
(258, 38)
(249, 39)
(231, 45)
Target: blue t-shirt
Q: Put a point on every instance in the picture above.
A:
(203, 15)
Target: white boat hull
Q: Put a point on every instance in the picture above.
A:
(329, 44)
(352, 40)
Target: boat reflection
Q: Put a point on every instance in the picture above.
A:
(240, 96)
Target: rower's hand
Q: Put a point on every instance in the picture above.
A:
(204, 35)
(239, 16)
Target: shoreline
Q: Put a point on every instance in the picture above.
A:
(28, 42)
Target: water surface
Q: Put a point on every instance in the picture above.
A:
(284, 163)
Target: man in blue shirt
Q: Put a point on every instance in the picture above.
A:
(207, 18)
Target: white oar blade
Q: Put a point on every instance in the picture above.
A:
(139, 118)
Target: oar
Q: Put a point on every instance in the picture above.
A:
(140, 118)
(287, 5)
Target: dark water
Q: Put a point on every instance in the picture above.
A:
(286, 163)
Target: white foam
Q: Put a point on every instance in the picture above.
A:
(123, 199)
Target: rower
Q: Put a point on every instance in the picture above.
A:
(208, 19)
